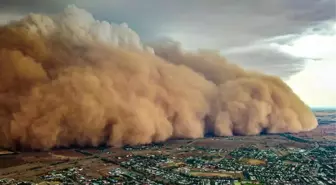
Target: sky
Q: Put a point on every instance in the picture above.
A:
(293, 39)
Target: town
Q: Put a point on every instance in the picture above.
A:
(188, 164)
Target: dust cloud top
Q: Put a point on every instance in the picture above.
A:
(69, 79)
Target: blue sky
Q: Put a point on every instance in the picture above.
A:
(292, 39)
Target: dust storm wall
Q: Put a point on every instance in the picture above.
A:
(69, 79)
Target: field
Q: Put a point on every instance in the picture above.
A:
(253, 161)
(234, 175)
(325, 132)
(262, 142)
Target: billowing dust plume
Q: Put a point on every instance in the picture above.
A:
(68, 80)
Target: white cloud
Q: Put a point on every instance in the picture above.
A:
(315, 44)
(316, 83)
